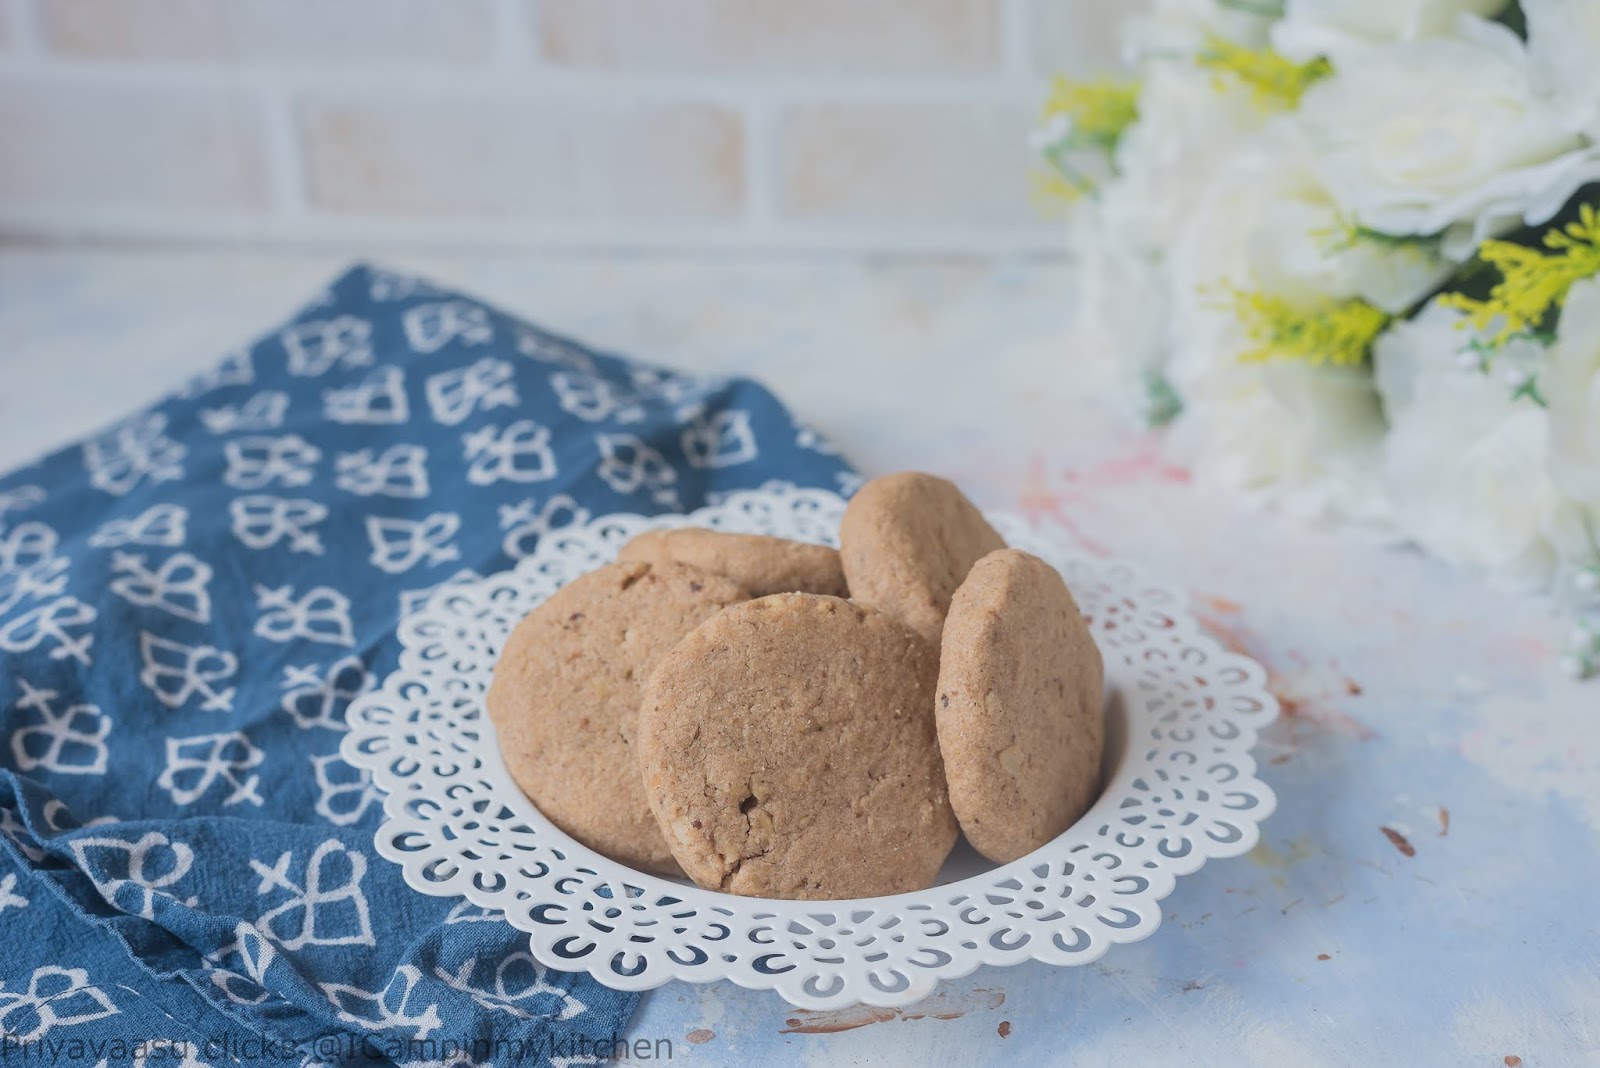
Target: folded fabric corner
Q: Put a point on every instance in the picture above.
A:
(189, 601)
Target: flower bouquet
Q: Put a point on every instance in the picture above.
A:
(1349, 250)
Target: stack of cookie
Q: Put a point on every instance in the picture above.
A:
(785, 720)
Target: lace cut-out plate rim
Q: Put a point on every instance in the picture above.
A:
(1181, 791)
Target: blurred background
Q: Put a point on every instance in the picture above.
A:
(848, 125)
(834, 197)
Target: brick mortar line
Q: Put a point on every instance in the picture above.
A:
(222, 229)
(467, 81)
(760, 166)
(285, 159)
(1015, 26)
(516, 36)
(27, 39)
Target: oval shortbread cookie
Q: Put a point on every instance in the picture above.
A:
(565, 697)
(759, 563)
(788, 750)
(906, 541)
(1020, 718)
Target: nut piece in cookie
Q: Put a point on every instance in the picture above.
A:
(788, 750)
(565, 697)
(759, 563)
(1020, 708)
(907, 540)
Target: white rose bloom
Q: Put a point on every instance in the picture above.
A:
(1304, 438)
(1186, 129)
(1571, 383)
(1182, 27)
(1564, 43)
(1212, 255)
(1339, 28)
(1299, 246)
(1443, 134)
(1121, 309)
(1465, 462)
(1264, 223)
(1575, 537)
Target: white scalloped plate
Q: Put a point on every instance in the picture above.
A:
(1181, 788)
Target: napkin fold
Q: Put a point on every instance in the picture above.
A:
(190, 600)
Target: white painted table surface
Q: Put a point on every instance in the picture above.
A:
(1415, 699)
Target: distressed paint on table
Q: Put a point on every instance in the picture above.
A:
(1425, 893)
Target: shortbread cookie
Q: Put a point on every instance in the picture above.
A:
(907, 540)
(788, 750)
(1020, 709)
(565, 697)
(759, 563)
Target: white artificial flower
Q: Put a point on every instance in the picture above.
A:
(1564, 43)
(1087, 163)
(1575, 536)
(1302, 246)
(1265, 224)
(1339, 28)
(1443, 134)
(1121, 309)
(1465, 462)
(1571, 384)
(1182, 27)
(1304, 437)
(1211, 257)
(1187, 128)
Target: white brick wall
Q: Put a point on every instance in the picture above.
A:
(860, 125)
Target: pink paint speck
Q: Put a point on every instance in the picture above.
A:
(1145, 463)
(1040, 503)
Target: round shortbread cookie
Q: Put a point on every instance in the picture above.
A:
(907, 541)
(565, 697)
(759, 563)
(788, 750)
(1020, 709)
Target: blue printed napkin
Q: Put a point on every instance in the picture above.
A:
(188, 603)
